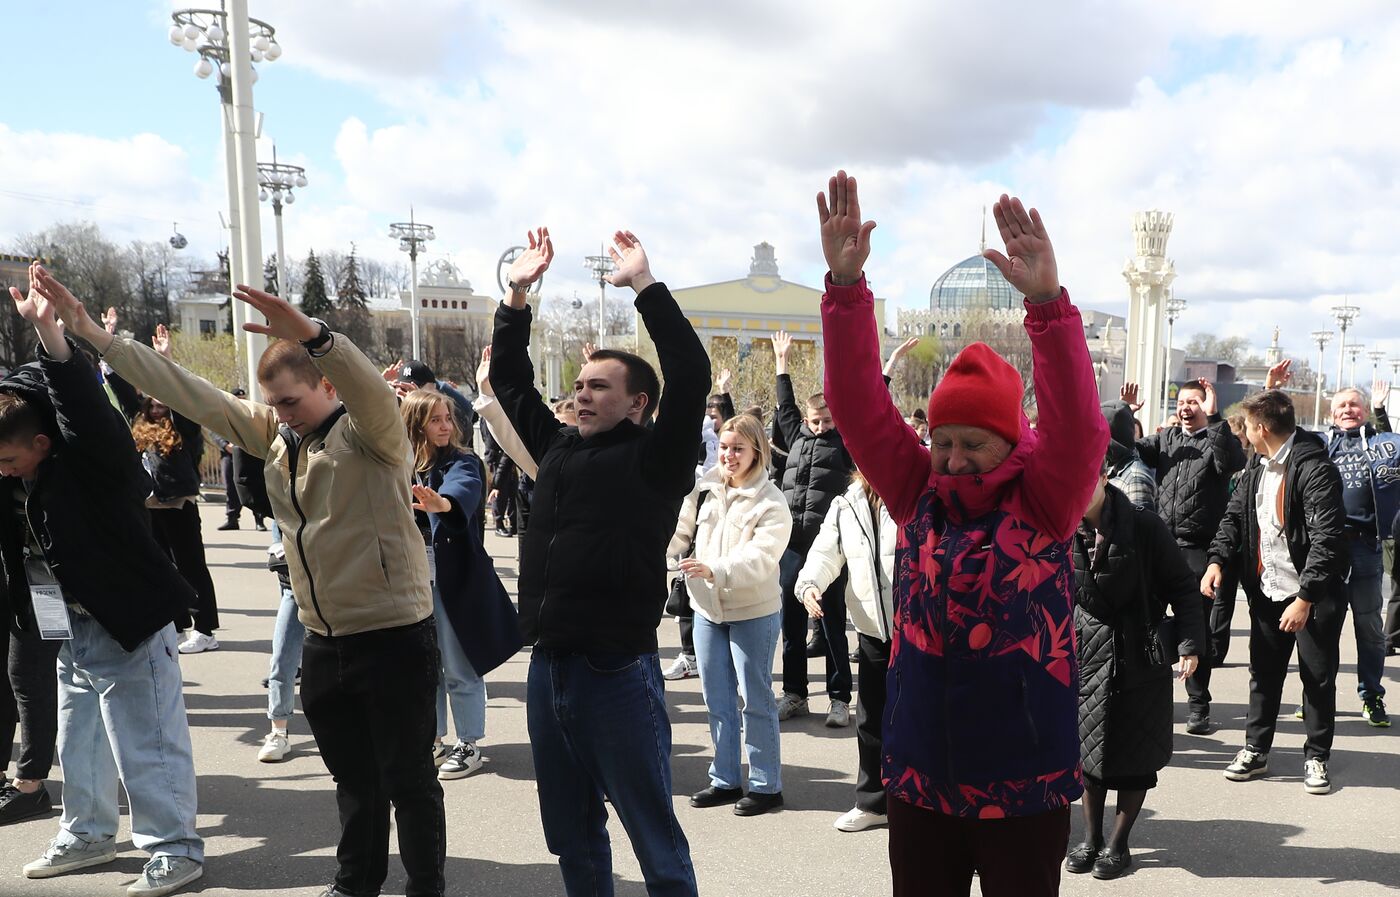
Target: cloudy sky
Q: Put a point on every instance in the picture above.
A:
(1269, 129)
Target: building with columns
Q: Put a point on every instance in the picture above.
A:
(1149, 274)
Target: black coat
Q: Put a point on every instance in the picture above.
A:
(1125, 677)
(175, 475)
(818, 469)
(1193, 477)
(593, 561)
(88, 505)
(1314, 518)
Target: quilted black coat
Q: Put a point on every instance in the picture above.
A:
(1193, 477)
(1125, 678)
(818, 468)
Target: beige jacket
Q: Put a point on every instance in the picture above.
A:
(354, 554)
(504, 433)
(741, 535)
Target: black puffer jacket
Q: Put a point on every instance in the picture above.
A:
(818, 469)
(1314, 518)
(1125, 678)
(1193, 477)
(89, 502)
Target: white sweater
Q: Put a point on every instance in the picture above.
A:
(741, 536)
(848, 537)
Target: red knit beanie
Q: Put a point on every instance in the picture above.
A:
(979, 389)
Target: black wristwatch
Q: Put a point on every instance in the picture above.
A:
(319, 340)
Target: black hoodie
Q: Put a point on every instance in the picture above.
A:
(88, 509)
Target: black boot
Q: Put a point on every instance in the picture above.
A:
(231, 523)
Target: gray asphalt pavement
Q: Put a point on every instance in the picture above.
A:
(271, 829)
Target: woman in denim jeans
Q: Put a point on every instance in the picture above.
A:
(738, 524)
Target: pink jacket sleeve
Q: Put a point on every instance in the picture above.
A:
(884, 447)
(1060, 474)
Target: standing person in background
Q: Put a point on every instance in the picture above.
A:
(981, 750)
(1126, 471)
(593, 573)
(232, 502)
(735, 527)
(1193, 462)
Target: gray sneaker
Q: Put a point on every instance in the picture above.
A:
(839, 716)
(463, 760)
(1315, 778)
(790, 705)
(62, 858)
(165, 875)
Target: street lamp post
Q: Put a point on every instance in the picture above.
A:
(1174, 308)
(223, 38)
(413, 236)
(1376, 356)
(601, 265)
(1345, 314)
(1322, 338)
(1354, 352)
(275, 182)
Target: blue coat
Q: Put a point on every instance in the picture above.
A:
(478, 608)
(1383, 458)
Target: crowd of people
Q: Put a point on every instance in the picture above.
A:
(1023, 595)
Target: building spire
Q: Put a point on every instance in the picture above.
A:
(982, 247)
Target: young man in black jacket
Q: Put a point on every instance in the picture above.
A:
(80, 565)
(1286, 523)
(817, 469)
(593, 575)
(1193, 464)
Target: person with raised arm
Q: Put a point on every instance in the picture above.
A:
(981, 750)
(593, 575)
(338, 471)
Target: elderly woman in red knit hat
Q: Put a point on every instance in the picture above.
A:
(981, 750)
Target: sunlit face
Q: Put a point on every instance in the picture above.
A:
(21, 457)
(439, 426)
(1188, 409)
(1255, 433)
(601, 400)
(737, 456)
(298, 404)
(819, 420)
(1348, 411)
(959, 449)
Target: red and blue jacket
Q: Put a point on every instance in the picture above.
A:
(982, 713)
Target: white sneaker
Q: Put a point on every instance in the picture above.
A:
(439, 753)
(682, 667)
(165, 875)
(198, 643)
(839, 716)
(275, 747)
(858, 820)
(790, 705)
(463, 760)
(61, 858)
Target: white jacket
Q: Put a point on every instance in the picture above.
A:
(848, 536)
(741, 536)
(504, 434)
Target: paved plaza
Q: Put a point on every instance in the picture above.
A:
(270, 829)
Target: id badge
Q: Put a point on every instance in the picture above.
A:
(50, 613)
(432, 565)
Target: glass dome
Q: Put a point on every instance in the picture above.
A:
(973, 283)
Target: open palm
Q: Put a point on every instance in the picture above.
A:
(845, 237)
(1029, 262)
(34, 307)
(531, 264)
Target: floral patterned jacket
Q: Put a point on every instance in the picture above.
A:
(982, 714)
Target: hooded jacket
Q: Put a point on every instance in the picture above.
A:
(88, 508)
(1193, 477)
(982, 712)
(816, 471)
(851, 538)
(1382, 469)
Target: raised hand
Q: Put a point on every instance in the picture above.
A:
(1128, 392)
(69, 309)
(1279, 375)
(391, 373)
(425, 499)
(633, 268)
(845, 237)
(109, 320)
(1380, 392)
(531, 264)
(161, 341)
(1211, 400)
(722, 384)
(483, 373)
(588, 350)
(1029, 262)
(284, 320)
(782, 344)
(898, 353)
(39, 309)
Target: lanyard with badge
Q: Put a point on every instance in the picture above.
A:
(50, 610)
(428, 540)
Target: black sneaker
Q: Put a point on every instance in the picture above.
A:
(1111, 865)
(1081, 859)
(228, 525)
(758, 804)
(1248, 764)
(16, 806)
(816, 645)
(1315, 777)
(1373, 712)
(716, 797)
(1198, 723)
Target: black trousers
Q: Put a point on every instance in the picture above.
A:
(231, 502)
(177, 530)
(29, 700)
(1222, 612)
(687, 627)
(795, 617)
(933, 854)
(1270, 649)
(1198, 684)
(872, 668)
(370, 700)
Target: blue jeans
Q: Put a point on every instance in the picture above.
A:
(124, 714)
(598, 726)
(1364, 596)
(459, 681)
(736, 665)
(288, 636)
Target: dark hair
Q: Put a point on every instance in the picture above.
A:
(1272, 409)
(715, 401)
(920, 414)
(641, 376)
(1191, 384)
(18, 419)
(288, 355)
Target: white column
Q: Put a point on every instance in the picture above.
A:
(413, 309)
(1149, 273)
(282, 289)
(246, 170)
(235, 231)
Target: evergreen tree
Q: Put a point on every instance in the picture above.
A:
(314, 301)
(352, 306)
(270, 283)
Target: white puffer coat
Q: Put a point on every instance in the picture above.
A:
(741, 536)
(849, 537)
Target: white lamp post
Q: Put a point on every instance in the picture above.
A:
(1174, 308)
(413, 236)
(1322, 338)
(1345, 314)
(601, 265)
(275, 183)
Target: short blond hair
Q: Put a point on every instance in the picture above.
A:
(750, 429)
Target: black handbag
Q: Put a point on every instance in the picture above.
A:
(678, 599)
